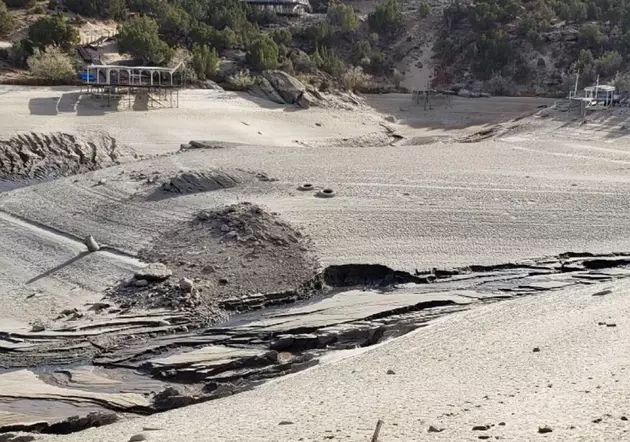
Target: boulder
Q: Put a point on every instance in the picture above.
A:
(288, 87)
(186, 285)
(209, 84)
(464, 93)
(269, 91)
(307, 100)
(91, 244)
(154, 272)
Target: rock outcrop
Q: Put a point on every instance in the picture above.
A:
(288, 87)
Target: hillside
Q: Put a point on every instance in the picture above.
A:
(533, 46)
(505, 47)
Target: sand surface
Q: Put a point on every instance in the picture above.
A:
(426, 197)
(468, 369)
(435, 202)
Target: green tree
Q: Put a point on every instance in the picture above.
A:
(387, 17)
(361, 49)
(610, 63)
(53, 31)
(282, 37)
(226, 13)
(205, 61)
(585, 59)
(139, 37)
(174, 24)
(51, 64)
(263, 54)
(97, 8)
(343, 17)
(319, 34)
(7, 22)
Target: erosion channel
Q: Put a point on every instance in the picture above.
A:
(122, 359)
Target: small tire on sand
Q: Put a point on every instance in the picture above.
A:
(306, 186)
(326, 193)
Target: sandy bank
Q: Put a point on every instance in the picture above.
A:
(469, 369)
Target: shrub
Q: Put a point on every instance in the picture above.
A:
(97, 8)
(316, 57)
(331, 63)
(591, 35)
(303, 63)
(53, 31)
(51, 64)
(498, 85)
(361, 49)
(343, 17)
(354, 78)
(386, 18)
(20, 51)
(241, 81)
(6, 20)
(282, 37)
(23, 4)
(205, 61)
(622, 81)
(38, 9)
(424, 10)
(139, 37)
(610, 63)
(263, 54)
(319, 34)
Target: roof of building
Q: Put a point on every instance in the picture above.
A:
(603, 88)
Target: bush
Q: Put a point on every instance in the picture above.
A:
(139, 37)
(263, 54)
(622, 82)
(317, 58)
(53, 31)
(38, 9)
(97, 8)
(343, 17)
(20, 51)
(331, 63)
(7, 22)
(205, 61)
(386, 18)
(23, 4)
(610, 63)
(303, 63)
(498, 85)
(282, 37)
(52, 64)
(241, 81)
(424, 10)
(443, 47)
(361, 49)
(354, 79)
(319, 34)
(591, 35)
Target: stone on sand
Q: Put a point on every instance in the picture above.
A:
(186, 285)
(154, 272)
(91, 244)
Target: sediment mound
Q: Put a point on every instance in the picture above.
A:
(40, 156)
(225, 254)
(194, 182)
